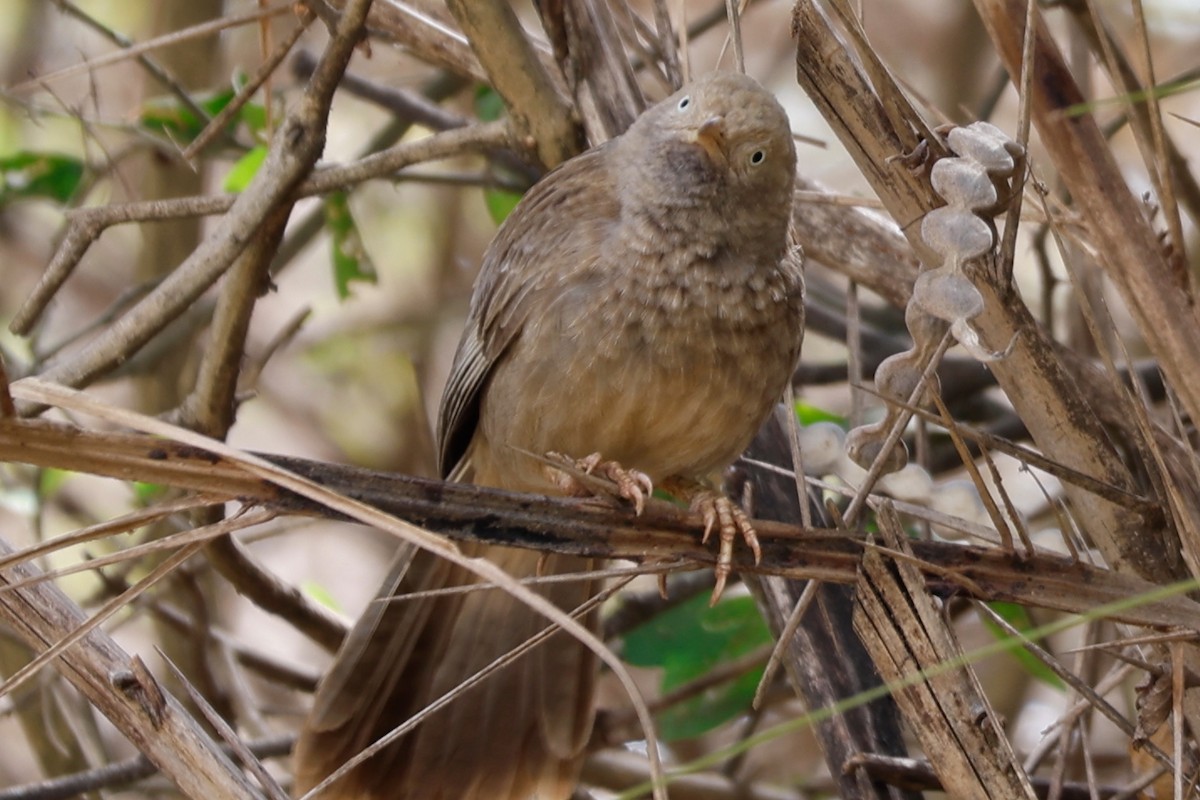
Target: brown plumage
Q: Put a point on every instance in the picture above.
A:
(640, 302)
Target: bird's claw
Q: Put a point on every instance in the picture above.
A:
(632, 485)
(729, 520)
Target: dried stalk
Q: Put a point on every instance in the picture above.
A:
(1047, 400)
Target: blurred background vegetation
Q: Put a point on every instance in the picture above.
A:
(348, 348)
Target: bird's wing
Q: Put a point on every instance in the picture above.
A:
(552, 234)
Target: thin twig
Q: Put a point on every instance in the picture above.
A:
(294, 150)
(217, 124)
(123, 773)
(160, 306)
(168, 565)
(151, 65)
(175, 37)
(236, 746)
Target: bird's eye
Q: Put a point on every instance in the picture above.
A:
(758, 157)
(684, 102)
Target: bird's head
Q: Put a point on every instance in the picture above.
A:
(721, 142)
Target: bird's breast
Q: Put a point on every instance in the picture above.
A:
(669, 371)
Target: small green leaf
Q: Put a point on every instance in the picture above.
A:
(176, 121)
(254, 117)
(147, 493)
(711, 709)
(811, 414)
(500, 203)
(28, 175)
(50, 480)
(688, 642)
(169, 116)
(350, 259)
(1018, 617)
(320, 594)
(489, 105)
(245, 169)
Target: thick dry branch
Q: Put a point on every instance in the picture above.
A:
(860, 245)
(918, 775)
(592, 528)
(1166, 165)
(1130, 249)
(906, 633)
(423, 28)
(588, 45)
(1055, 411)
(811, 622)
(121, 688)
(540, 112)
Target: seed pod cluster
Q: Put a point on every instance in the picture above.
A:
(977, 184)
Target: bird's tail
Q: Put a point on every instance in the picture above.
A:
(517, 735)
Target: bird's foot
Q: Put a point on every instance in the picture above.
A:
(723, 515)
(632, 485)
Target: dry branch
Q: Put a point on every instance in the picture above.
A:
(663, 533)
(541, 115)
(122, 688)
(1049, 402)
(906, 634)
(86, 225)
(1128, 246)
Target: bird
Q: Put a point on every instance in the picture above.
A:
(636, 316)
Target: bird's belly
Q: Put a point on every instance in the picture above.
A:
(669, 405)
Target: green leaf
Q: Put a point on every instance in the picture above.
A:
(245, 169)
(1018, 617)
(29, 175)
(711, 709)
(500, 203)
(320, 594)
(50, 480)
(168, 116)
(147, 493)
(688, 642)
(811, 414)
(254, 117)
(489, 105)
(350, 259)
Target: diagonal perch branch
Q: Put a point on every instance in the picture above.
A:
(585, 527)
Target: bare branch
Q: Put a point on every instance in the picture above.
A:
(134, 51)
(124, 691)
(581, 527)
(208, 261)
(295, 148)
(540, 112)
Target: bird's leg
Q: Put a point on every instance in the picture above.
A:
(632, 485)
(722, 514)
